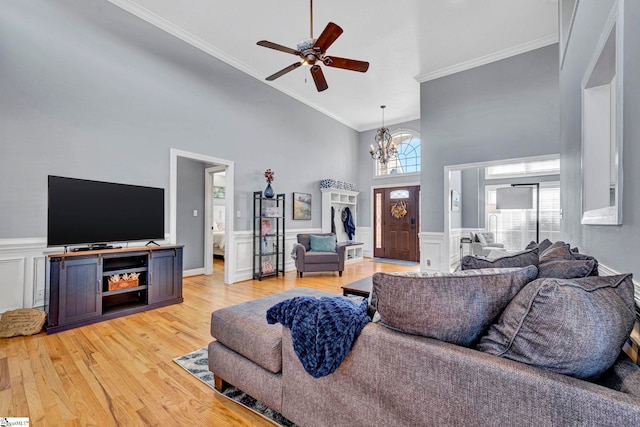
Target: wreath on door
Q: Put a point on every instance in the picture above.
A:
(399, 209)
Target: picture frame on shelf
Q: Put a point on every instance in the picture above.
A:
(266, 229)
(301, 206)
(455, 201)
(272, 211)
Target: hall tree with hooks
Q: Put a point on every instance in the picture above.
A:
(339, 200)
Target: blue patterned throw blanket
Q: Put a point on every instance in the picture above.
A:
(322, 330)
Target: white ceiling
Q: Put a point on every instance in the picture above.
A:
(405, 41)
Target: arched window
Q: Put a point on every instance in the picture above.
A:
(407, 142)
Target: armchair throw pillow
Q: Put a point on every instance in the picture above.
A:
(575, 327)
(323, 243)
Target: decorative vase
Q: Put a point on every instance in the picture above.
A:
(268, 192)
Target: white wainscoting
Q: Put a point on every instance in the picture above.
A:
(23, 263)
(22, 273)
(433, 257)
(243, 251)
(365, 235)
(11, 276)
(454, 248)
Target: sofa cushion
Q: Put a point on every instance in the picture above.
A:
(321, 257)
(568, 269)
(623, 376)
(575, 327)
(456, 308)
(520, 259)
(243, 328)
(323, 243)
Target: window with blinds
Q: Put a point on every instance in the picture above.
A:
(515, 228)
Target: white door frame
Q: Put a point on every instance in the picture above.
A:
(229, 241)
(446, 250)
(208, 221)
(372, 200)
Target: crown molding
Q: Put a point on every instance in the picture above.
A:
(202, 45)
(487, 59)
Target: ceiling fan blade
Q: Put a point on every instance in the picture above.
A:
(347, 64)
(279, 47)
(328, 36)
(284, 71)
(318, 78)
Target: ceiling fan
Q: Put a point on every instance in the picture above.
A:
(313, 51)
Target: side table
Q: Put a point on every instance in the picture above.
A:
(465, 241)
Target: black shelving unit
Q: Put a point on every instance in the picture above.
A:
(268, 235)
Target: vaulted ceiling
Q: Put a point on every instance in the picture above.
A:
(406, 42)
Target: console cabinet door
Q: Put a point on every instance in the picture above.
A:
(165, 281)
(79, 289)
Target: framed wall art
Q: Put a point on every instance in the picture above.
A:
(302, 206)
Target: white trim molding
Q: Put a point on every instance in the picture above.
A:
(229, 265)
(603, 270)
(487, 59)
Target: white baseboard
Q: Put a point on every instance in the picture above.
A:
(193, 272)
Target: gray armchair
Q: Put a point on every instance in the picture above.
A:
(483, 243)
(308, 260)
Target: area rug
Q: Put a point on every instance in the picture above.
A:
(395, 261)
(197, 364)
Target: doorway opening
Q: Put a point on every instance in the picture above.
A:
(217, 165)
(474, 186)
(215, 216)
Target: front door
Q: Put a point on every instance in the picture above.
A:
(396, 214)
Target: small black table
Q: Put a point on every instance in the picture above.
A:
(361, 288)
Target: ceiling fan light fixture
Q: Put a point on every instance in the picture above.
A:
(385, 150)
(305, 44)
(313, 51)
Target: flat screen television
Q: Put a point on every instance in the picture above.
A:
(94, 212)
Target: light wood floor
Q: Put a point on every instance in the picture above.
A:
(121, 373)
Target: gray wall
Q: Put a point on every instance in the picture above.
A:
(506, 109)
(190, 197)
(366, 172)
(469, 202)
(89, 91)
(614, 246)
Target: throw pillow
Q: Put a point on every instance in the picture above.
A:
(542, 246)
(457, 308)
(568, 269)
(579, 256)
(323, 243)
(520, 259)
(482, 239)
(575, 327)
(559, 250)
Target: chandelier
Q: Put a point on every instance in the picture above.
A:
(386, 150)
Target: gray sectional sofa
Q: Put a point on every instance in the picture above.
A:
(395, 378)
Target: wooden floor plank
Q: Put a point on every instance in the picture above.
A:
(120, 372)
